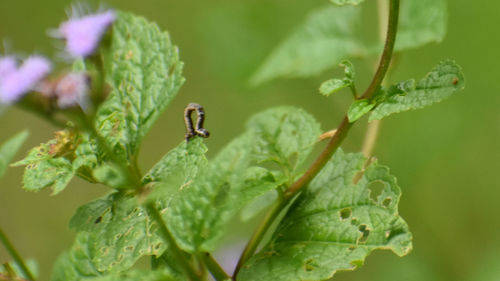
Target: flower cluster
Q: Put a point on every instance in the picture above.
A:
(82, 36)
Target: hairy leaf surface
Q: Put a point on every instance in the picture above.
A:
(444, 80)
(334, 224)
(143, 69)
(326, 37)
(9, 149)
(421, 22)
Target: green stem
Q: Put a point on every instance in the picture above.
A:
(15, 255)
(334, 143)
(172, 246)
(257, 236)
(213, 266)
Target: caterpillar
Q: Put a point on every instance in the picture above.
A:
(198, 130)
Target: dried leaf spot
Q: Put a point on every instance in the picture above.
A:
(345, 213)
(129, 55)
(455, 81)
(376, 188)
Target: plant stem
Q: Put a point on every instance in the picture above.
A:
(167, 237)
(213, 266)
(332, 145)
(15, 255)
(257, 236)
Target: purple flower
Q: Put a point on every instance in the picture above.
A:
(83, 34)
(15, 82)
(73, 90)
(7, 66)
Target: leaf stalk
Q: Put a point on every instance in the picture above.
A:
(15, 255)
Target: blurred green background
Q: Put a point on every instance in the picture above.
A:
(446, 157)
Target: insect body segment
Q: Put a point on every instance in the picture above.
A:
(198, 130)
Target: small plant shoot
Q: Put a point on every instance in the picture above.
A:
(323, 215)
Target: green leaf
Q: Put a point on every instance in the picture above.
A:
(334, 85)
(136, 275)
(53, 164)
(327, 36)
(111, 175)
(197, 217)
(120, 232)
(284, 135)
(187, 157)
(334, 224)
(76, 264)
(346, 2)
(9, 149)
(444, 80)
(421, 22)
(144, 72)
(204, 206)
(359, 108)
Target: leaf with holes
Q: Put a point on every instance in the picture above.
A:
(443, 81)
(346, 2)
(9, 149)
(142, 67)
(76, 264)
(422, 22)
(334, 224)
(284, 136)
(120, 231)
(327, 36)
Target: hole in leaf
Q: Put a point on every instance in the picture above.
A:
(365, 232)
(129, 248)
(387, 202)
(345, 213)
(354, 221)
(310, 265)
(118, 236)
(98, 220)
(394, 233)
(376, 189)
(352, 248)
